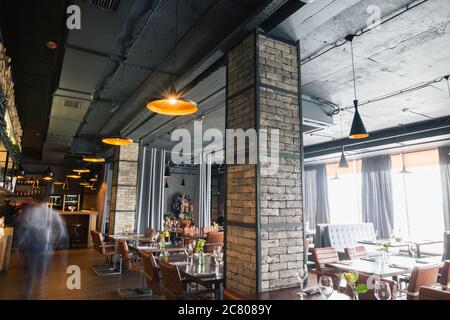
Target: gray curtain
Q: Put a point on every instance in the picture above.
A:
(150, 211)
(204, 201)
(444, 161)
(377, 203)
(317, 208)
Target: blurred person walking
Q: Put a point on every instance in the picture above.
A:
(40, 230)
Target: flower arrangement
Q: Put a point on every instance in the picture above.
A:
(127, 228)
(216, 226)
(385, 246)
(200, 245)
(351, 278)
(162, 238)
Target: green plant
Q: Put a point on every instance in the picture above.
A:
(351, 278)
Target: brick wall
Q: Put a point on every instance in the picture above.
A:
(279, 212)
(124, 188)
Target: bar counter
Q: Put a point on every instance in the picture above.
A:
(87, 221)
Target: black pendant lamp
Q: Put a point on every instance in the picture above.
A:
(183, 183)
(343, 161)
(47, 175)
(20, 173)
(358, 130)
(167, 172)
(166, 186)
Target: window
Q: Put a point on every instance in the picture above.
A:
(344, 193)
(417, 196)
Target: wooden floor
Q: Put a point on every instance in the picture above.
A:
(93, 287)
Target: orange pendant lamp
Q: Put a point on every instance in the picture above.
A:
(173, 104)
(117, 141)
(93, 159)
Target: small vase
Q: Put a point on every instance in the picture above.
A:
(201, 258)
(355, 295)
(162, 245)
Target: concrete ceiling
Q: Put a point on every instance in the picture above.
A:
(408, 50)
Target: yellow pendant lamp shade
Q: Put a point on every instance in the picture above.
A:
(81, 170)
(173, 106)
(74, 176)
(94, 159)
(117, 141)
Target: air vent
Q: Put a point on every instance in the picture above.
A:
(106, 4)
(72, 104)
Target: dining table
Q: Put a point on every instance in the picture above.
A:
(292, 294)
(402, 244)
(205, 274)
(156, 249)
(395, 266)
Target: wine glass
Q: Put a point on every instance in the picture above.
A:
(302, 275)
(382, 291)
(191, 247)
(326, 286)
(217, 254)
(412, 250)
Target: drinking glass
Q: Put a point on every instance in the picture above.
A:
(326, 286)
(382, 291)
(191, 247)
(412, 250)
(302, 275)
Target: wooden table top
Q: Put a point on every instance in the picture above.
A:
(291, 294)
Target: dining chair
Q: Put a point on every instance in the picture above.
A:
(151, 273)
(213, 239)
(322, 256)
(420, 277)
(427, 293)
(444, 277)
(357, 252)
(190, 231)
(229, 294)
(148, 236)
(107, 250)
(126, 258)
(370, 282)
(206, 230)
(173, 287)
(131, 264)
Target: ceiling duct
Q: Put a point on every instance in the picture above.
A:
(316, 115)
(106, 4)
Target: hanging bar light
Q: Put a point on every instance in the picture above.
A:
(81, 170)
(117, 141)
(167, 171)
(66, 185)
(166, 186)
(94, 159)
(358, 130)
(48, 175)
(183, 183)
(173, 104)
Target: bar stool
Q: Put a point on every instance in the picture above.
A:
(74, 234)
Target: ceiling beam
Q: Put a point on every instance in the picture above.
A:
(414, 131)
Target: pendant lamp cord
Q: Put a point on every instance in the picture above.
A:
(175, 44)
(353, 68)
(340, 116)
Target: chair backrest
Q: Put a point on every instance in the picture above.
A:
(342, 236)
(151, 272)
(357, 252)
(324, 255)
(206, 230)
(125, 254)
(445, 275)
(421, 277)
(97, 241)
(185, 223)
(191, 231)
(370, 294)
(149, 232)
(426, 293)
(229, 294)
(171, 280)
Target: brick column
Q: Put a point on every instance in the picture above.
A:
(264, 229)
(124, 188)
